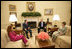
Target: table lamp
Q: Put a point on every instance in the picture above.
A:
(13, 19)
(55, 19)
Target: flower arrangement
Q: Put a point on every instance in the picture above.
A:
(43, 36)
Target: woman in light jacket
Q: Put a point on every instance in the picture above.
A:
(61, 31)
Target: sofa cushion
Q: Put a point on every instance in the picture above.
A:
(16, 44)
(67, 39)
(6, 43)
(64, 41)
(4, 38)
(68, 33)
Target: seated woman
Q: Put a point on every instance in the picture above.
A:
(61, 31)
(14, 37)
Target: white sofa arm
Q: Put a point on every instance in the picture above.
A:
(4, 38)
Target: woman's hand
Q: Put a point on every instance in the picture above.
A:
(17, 34)
(61, 33)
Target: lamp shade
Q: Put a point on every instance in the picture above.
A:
(12, 18)
(56, 17)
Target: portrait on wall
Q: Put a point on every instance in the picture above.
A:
(12, 8)
(48, 12)
(30, 6)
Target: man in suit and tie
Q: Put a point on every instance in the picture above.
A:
(27, 29)
(41, 25)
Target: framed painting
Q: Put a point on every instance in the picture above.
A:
(13, 13)
(48, 12)
(30, 7)
(12, 8)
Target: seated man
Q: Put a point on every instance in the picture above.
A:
(61, 31)
(41, 25)
(27, 29)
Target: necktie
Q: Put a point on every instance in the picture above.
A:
(41, 24)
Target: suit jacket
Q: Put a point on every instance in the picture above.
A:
(25, 26)
(43, 24)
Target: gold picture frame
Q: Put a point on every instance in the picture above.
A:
(12, 7)
(48, 11)
(30, 6)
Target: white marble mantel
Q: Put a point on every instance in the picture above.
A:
(33, 19)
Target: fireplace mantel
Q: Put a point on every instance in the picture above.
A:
(32, 19)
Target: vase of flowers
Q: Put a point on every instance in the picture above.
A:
(43, 36)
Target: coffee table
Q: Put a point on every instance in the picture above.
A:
(45, 44)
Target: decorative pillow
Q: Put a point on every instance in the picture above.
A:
(68, 30)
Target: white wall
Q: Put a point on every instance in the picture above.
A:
(62, 8)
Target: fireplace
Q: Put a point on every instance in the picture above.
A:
(33, 21)
(32, 24)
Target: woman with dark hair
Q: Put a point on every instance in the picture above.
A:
(61, 31)
(13, 36)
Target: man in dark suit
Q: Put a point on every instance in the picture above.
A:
(27, 29)
(41, 25)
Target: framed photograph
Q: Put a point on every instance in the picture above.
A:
(48, 12)
(12, 8)
(13, 13)
(30, 7)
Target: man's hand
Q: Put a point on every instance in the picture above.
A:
(25, 29)
(44, 27)
(28, 27)
(37, 27)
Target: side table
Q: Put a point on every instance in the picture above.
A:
(51, 30)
